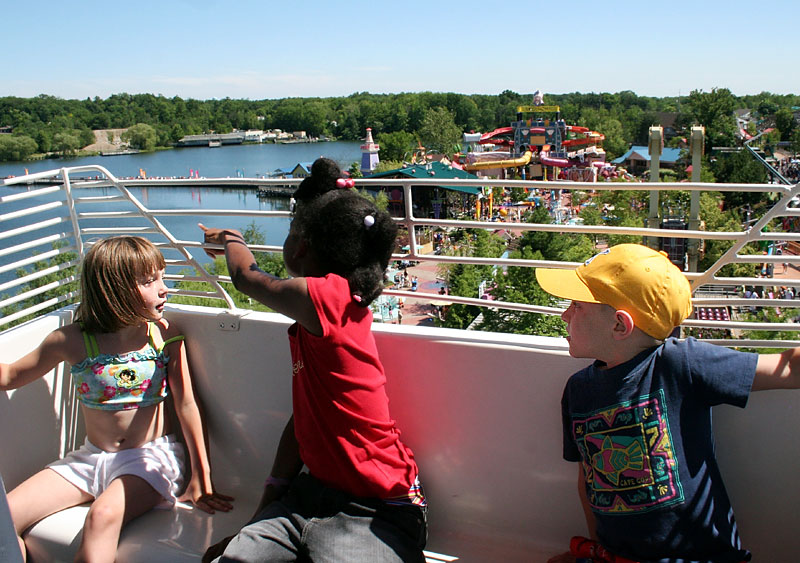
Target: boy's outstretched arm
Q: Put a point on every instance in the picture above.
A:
(778, 371)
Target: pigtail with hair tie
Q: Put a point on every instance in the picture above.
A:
(325, 176)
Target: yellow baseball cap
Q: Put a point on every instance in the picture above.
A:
(629, 277)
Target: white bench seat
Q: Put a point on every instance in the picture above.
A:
(480, 411)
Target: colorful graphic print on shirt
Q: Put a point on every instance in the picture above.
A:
(628, 457)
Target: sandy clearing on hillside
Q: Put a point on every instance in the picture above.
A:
(102, 143)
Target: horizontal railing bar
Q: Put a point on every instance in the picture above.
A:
(36, 258)
(100, 199)
(109, 214)
(758, 258)
(30, 194)
(185, 277)
(591, 229)
(774, 236)
(195, 293)
(579, 186)
(190, 182)
(34, 243)
(28, 178)
(33, 227)
(219, 212)
(38, 274)
(700, 302)
(756, 281)
(253, 247)
(422, 182)
(423, 296)
(747, 343)
(60, 172)
(118, 230)
(38, 291)
(27, 211)
(183, 212)
(36, 308)
(708, 323)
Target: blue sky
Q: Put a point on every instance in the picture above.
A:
(250, 49)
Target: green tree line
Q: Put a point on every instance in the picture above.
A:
(47, 124)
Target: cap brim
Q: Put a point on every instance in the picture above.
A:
(565, 284)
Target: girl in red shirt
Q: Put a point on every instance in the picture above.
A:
(361, 498)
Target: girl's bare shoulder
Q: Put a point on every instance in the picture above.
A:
(67, 341)
(166, 330)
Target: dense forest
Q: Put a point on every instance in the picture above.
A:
(48, 125)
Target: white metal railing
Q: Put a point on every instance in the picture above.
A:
(76, 219)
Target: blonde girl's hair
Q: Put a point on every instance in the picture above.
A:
(110, 298)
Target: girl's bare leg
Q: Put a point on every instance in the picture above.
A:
(41, 495)
(123, 500)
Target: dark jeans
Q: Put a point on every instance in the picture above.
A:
(315, 523)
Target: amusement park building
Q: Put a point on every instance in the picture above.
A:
(637, 159)
(428, 202)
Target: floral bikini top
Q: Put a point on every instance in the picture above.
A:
(124, 381)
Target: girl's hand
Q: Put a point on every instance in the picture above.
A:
(215, 236)
(207, 501)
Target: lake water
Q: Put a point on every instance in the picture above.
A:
(227, 161)
(252, 161)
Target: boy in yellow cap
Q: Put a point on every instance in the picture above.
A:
(638, 420)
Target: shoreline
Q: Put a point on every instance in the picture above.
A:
(114, 150)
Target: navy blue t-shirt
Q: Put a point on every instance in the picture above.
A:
(642, 432)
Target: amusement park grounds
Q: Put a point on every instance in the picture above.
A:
(420, 308)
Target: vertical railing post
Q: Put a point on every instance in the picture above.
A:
(73, 215)
(409, 219)
(68, 405)
(655, 143)
(696, 146)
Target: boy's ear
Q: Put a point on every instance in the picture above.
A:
(624, 325)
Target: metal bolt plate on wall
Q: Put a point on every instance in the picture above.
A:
(228, 322)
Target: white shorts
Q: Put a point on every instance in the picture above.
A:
(160, 463)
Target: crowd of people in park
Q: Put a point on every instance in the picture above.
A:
(789, 168)
(404, 280)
